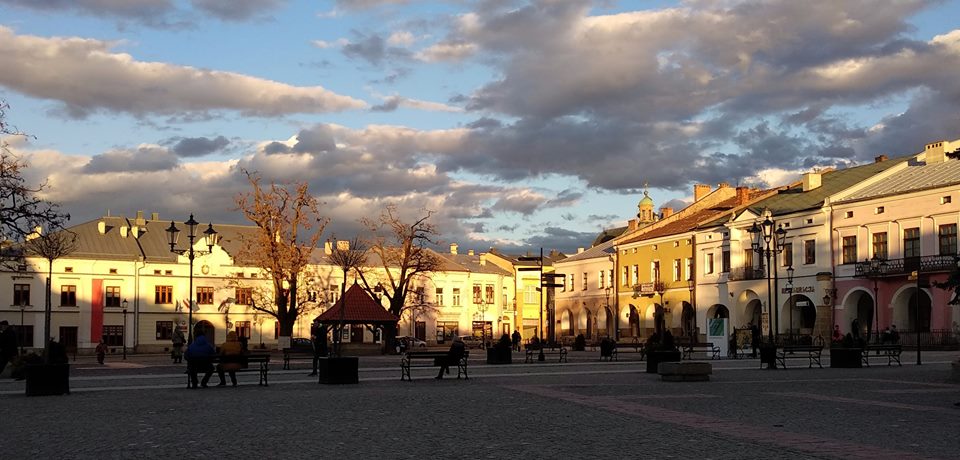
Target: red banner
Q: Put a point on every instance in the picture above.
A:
(96, 311)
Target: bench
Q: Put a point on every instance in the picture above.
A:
(891, 352)
(533, 353)
(429, 359)
(626, 347)
(290, 352)
(810, 352)
(261, 360)
(705, 348)
(685, 371)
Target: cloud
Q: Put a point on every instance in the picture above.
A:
(156, 13)
(87, 77)
(452, 51)
(392, 103)
(373, 49)
(237, 10)
(366, 4)
(143, 10)
(197, 146)
(145, 158)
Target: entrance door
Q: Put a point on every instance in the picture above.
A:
(68, 338)
(356, 333)
(420, 330)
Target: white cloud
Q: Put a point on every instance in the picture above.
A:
(401, 38)
(447, 51)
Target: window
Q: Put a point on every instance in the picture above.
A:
(162, 295)
(849, 253)
(788, 254)
(600, 279)
(488, 293)
(113, 336)
(311, 295)
(677, 270)
(584, 281)
(849, 214)
(439, 294)
(68, 296)
(880, 245)
(690, 267)
(25, 333)
(748, 258)
(946, 200)
(879, 210)
(635, 279)
(948, 239)
(242, 328)
(911, 242)
(113, 271)
(204, 295)
(708, 263)
(168, 272)
(456, 297)
(725, 262)
(655, 271)
(477, 294)
(164, 330)
(571, 282)
(611, 277)
(809, 221)
(244, 296)
(112, 298)
(530, 294)
(626, 276)
(70, 270)
(810, 252)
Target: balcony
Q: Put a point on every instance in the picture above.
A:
(894, 267)
(747, 273)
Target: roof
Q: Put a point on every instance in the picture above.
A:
(917, 175)
(360, 309)
(608, 235)
(469, 263)
(602, 250)
(690, 221)
(548, 258)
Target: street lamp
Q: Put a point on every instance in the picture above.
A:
(23, 306)
(210, 237)
(660, 288)
(878, 267)
(124, 336)
(691, 283)
(606, 292)
(790, 291)
(768, 243)
(483, 306)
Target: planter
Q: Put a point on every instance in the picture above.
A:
(338, 371)
(499, 356)
(47, 379)
(768, 356)
(654, 358)
(846, 357)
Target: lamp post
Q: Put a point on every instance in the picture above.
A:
(124, 336)
(878, 267)
(483, 306)
(658, 321)
(606, 292)
(693, 303)
(210, 236)
(768, 243)
(792, 300)
(23, 306)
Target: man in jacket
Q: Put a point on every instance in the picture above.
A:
(200, 359)
(454, 355)
(231, 359)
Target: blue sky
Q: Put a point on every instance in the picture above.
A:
(521, 123)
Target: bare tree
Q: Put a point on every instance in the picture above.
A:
(21, 208)
(50, 246)
(402, 249)
(347, 255)
(289, 226)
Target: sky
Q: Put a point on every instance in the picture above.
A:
(520, 124)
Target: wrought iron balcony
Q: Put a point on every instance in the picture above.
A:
(895, 267)
(747, 273)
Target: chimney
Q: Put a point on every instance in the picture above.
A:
(631, 225)
(723, 185)
(880, 159)
(453, 248)
(579, 250)
(666, 212)
(102, 227)
(743, 195)
(470, 252)
(483, 260)
(700, 191)
(154, 216)
(123, 231)
(136, 231)
(811, 180)
(343, 245)
(139, 215)
(327, 247)
(936, 152)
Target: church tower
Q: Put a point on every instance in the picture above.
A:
(645, 214)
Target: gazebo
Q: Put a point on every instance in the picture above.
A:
(356, 307)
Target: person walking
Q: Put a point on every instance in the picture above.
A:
(8, 344)
(101, 351)
(315, 340)
(454, 355)
(178, 341)
(754, 338)
(516, 340)
(855, 328)
(231, 359)
(200, 359)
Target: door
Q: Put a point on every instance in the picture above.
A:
(68, 338)
(356, 333)
(420, 331)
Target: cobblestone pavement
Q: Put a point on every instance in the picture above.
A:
(543, 410)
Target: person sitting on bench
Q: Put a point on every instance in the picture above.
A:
(231, 355)
(454, 355)
(200, 359)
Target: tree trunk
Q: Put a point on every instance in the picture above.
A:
(390, 339)
(47, 310)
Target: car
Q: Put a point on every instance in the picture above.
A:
(472, 341)
(409, 342)
(301, 344)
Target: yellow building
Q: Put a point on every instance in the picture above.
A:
(534, 314)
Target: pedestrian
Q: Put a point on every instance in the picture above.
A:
(101, 351)
(231, 359)
(837, 335)
(454, 355)
(178, 342)
(516, 340)
(315, 342)
(754, 338)
(200, 356)
(855, 329)
(8, 344)
(894, 335)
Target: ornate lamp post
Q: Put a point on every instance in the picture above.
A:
(124, 336)
(658, 321)
(792, 300)
(23, 306)
(210, 236)
(768, 242)
(483, 306)
(877, 268)
(691, 283)
(606, 292)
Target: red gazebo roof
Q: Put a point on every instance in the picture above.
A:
(360, 309)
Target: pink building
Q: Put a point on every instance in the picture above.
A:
(896, 223)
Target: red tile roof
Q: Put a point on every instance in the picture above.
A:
(360, 308)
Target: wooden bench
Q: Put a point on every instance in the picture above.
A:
(891, 352)
(430, 359)
(810, 352)
(290, 352)
(261, 360)
(627, 347)
(533, 353)
(706, 348)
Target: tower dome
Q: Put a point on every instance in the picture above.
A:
(645, 214)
